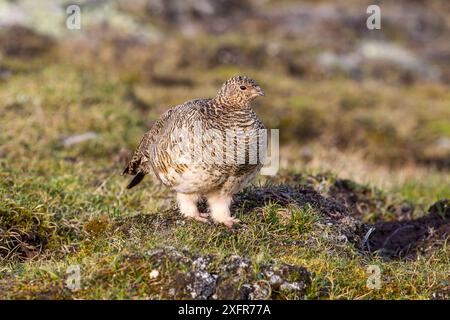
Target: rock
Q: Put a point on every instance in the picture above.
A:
(377, 54)
(154, 274)
(261, 291)
(80, 138)
(232, 277)
(396, 55)
(12, 15)
(443, 143)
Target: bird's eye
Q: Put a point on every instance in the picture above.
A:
(243, 87)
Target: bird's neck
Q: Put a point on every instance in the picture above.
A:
(230, 103)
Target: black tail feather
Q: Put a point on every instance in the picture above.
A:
(136, 180)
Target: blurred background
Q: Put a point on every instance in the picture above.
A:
(369, 105)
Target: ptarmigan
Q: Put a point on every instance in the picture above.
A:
(205, 148)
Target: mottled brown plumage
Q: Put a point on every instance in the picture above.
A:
(194, 149)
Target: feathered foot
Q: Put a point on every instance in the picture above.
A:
(187, 203)
(220, 209)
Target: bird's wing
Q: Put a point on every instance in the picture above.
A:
(139, 163)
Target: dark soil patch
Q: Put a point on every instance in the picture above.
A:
(399, 237)
(439, 162)
(300, 195)
(407, 238)
(367, 203)
(25, 233)
(284, 195)
(21, 42)
(349, 203)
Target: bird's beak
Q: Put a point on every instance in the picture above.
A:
(259, 91)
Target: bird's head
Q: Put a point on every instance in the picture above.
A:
(240, 90)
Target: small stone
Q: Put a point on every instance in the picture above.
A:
(294, 286)
(154, 274)
(275, 279)
(76, 139)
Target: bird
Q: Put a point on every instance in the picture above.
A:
(205, 149)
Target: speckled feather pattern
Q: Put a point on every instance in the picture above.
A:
(161, 148)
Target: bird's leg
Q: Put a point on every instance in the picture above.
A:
(220, 209)
(187, 203)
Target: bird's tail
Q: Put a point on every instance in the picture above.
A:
(136, 180)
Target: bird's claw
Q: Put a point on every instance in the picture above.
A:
(231, 222)
(201, 217)
(204, 215)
